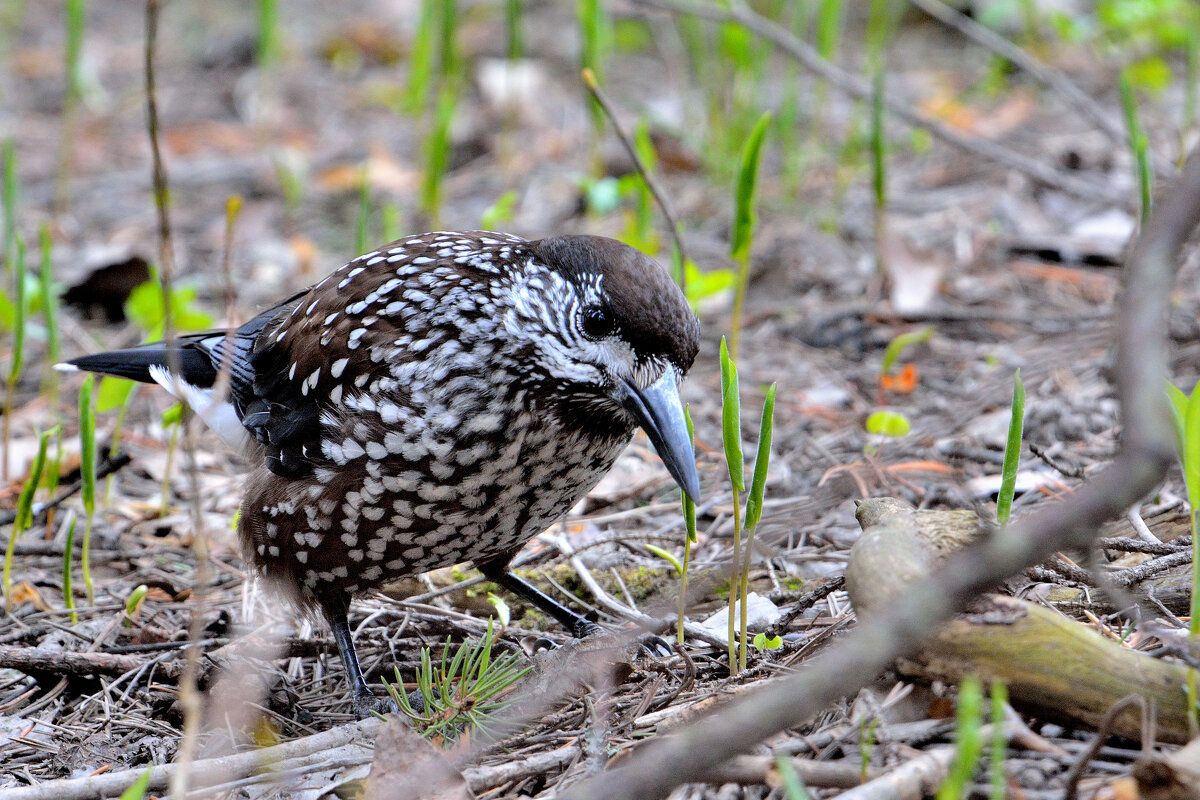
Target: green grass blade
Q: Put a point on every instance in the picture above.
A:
(49, 315)
(1012, 452)
(24, 513)
(793, 787)
(268, 33)
(87, 474)
(745, 217)
(1138, 142)
(139, 788)
(689, 524)
(967, 737)
(731, 420)
(512, 28)
(8, 157)
(762, 458)
(901, 343)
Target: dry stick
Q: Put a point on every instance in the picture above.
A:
(660, 197)
(1147, 451)
(1054, 79)
(110, 784)
(1102, 734)
(189, 696)
(860, 89)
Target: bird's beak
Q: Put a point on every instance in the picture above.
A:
(659, 411)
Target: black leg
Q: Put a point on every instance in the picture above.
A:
(364, 699)
(497, 572)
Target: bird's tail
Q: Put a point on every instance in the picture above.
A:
(140, 364)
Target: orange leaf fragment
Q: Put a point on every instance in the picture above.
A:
(903, 382)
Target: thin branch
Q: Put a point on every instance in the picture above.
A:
(1146, 453)
(1052, 78)
(660, 197)
(858, 88)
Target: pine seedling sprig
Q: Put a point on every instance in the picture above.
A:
(731, 437)
(24, 518)
(754, 504)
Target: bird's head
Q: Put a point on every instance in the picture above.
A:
(611, 336)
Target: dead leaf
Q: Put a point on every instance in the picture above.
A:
(407, 767)
(26, 592)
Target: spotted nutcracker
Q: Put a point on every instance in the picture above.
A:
(441, 399)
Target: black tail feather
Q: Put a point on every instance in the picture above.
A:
(135, 364)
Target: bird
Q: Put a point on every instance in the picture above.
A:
(439, 400)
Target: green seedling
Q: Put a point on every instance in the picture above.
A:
(24, 518)
(968, 738)
(745, 217)
(462, 691)
(1012, 452)
(268, 33)
(731, 438)
(793, 787)
(133, 603)
(667, 556)
(1185, 412)
(703, 285)
(879, 169)
(87, 476)
(422, 62)
(139, 788)
(866, 743)
(74, 16)
(146, 309)
(512, 29)
(888, 423)
(68, 550)
(596, 36)
(9, 157)
(49, 298)
(689, 524)
(1139, 143)
(754, 504)
(503, 612)
(639, 225)
(390, 219)
(999, 742)
(899, 344)
(762, 642)
(499, 212)
(21, 307)
(437, 154)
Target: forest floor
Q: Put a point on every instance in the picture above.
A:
(1004, 271)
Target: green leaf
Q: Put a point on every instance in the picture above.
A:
(1012, 452)
(731, 420)
(762, 458)
(761, 642)
(1179, 404)
(888, 423)
(1191, 450)
(134, 601)
(137, 790)
(502, 609)
(745, 217)
(665, 555)
(113, 393)
(899, 344)
(87, 443)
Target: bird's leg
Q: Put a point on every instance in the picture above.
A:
(497, 572)
(365, 700)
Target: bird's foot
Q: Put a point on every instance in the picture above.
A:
(367, 704)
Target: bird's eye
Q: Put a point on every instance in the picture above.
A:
(597, 323)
